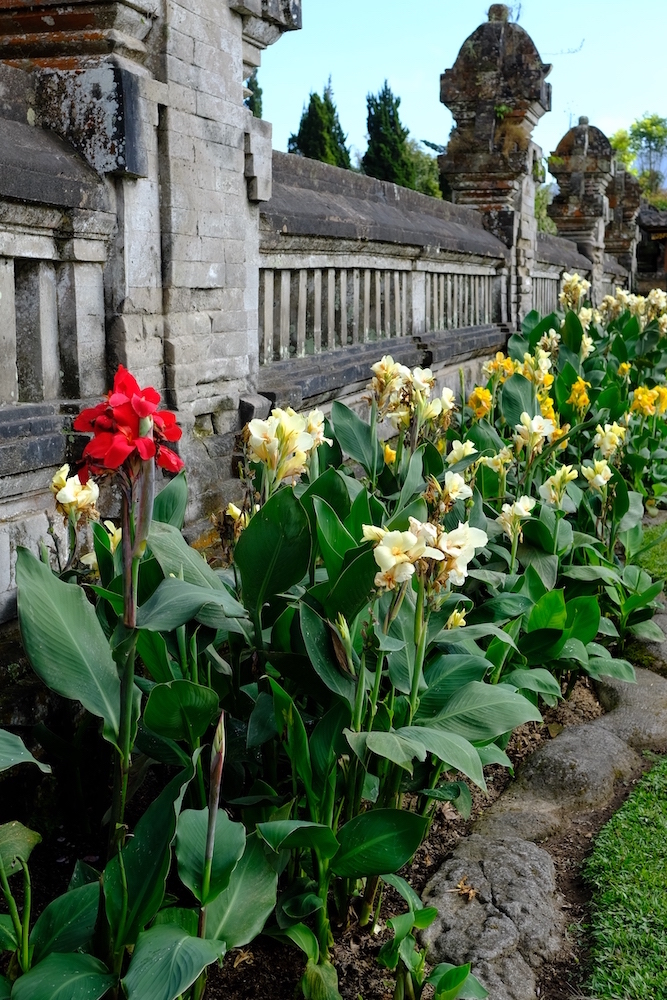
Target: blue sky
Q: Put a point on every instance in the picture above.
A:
(614, 77)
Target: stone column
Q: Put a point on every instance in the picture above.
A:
(497, 92)
(622, 233)
(583, 165)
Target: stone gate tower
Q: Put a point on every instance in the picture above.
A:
(497, 93)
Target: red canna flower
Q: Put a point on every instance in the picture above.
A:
(125, 425)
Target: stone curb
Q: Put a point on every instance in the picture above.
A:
(515, 923)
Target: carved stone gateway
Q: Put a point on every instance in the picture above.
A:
(497, 92)
(583, 165)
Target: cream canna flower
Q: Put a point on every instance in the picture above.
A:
(448, 400)
(423, 380)
(76, 499)
(315, 427)
(553, 489)
(498, 462)
(459, 548)
(459, 451)
(608, 439)
(598, 474)
(60, 479)
(531, 433)
(455, 487)
(513, 514)
(371, 533)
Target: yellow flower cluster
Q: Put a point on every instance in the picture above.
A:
(74, 499)
(397, 553)
(558, 433)
(553, 488)
(624, 369)
(512, 516)
(536, 368)
(644, 401)
(645, 309)
(574, 291)
(283, 442)
(579, 397)
(441, 499)
(598, 474)
(608, 439)
(479, 402)
(531, 433)
(500, 367)
(547, 407)
(401, 393)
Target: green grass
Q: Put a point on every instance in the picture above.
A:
(655, 560)
(628, 872)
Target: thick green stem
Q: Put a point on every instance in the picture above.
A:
(374, 444)
(421, 631)
(322, 924)
(27, 904)
(368, 900)
(11, 904)
(217, 764)
(515, 543)
(127, 698)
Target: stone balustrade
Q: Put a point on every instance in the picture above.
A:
(145, 221)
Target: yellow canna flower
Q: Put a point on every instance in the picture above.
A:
(457, 619)
(547, 407)
(661, 401)
(389, 455)
(644, 401)
(479, 402)
(578, 397)
(558, 433)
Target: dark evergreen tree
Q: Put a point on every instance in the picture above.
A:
(254, 98)
(387, 157)
(320, 136)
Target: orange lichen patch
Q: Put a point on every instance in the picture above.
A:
(209, 539)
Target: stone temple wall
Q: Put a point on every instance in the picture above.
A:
(144, 220)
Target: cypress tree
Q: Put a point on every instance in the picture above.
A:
(320, 135)
(254, 99)
(387, 156)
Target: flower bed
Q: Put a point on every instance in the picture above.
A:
(390, 614)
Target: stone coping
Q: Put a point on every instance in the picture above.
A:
(316, 199)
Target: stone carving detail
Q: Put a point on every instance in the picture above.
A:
(622, 233)
(85, 59)
(583, 165)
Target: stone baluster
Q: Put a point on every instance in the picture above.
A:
(583, 164)
(497, 92)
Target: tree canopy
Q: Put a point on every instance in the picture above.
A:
(320, 135)
(254, 98)
(642, 149)
(388, 156)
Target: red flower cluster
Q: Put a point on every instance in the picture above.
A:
(116, 426)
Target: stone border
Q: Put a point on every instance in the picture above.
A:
(515, 924)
